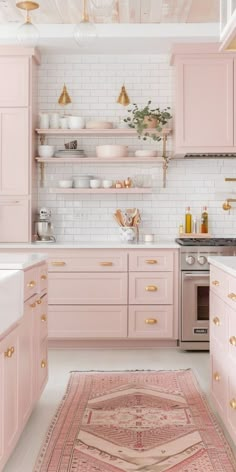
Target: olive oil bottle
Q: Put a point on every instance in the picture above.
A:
(204, 220)
(188, 220)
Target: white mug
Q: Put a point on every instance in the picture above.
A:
(76, 122)
(43, 120)
(63, 122)
(54, 120)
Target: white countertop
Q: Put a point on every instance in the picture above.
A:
(19, 261)
(92, 245)
(11, 298)
(226, 263)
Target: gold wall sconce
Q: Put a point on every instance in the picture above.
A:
(64, 98)
(123, 98)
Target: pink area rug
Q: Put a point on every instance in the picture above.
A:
(134, 422)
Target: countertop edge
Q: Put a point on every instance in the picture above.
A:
(225, 263)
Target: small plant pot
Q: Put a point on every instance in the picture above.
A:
(150, 121)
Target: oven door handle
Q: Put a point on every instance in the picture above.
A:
(200, 276)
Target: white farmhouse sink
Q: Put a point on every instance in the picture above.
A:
(11, 298)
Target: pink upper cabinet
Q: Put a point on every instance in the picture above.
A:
(14, 81)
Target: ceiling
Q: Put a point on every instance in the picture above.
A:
(116, 11)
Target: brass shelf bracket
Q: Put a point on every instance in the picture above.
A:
(165, 160)
(42, 173)
(42, 138)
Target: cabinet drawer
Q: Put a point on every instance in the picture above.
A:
(151, 321)
(31, 282)
(149, 260)
(218, 321)
(146, 288)
(219, 281)
(43, 277)
(87, 322)
(90, 260)
(42, 365)
(87, 289)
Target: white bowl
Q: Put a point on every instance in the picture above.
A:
(75, 122)
(65, 183)
(107, 183)
(112, 150)
(95, 183)
(45, 150)
(145, 153)
(82, 181)
(99, 125)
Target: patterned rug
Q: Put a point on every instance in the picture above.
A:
(134, 422)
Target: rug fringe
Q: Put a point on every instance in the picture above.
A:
(129, 370)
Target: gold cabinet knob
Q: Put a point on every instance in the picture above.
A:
(31, 284)
(43, 277)
(216, 321)
(9, 352)
(39, 301)
(43, 364)
(33, 305)
(232, 296)
(216, 376)
(232, 340)
(151, 321)
(43, 318)
(58, 263)
(106, 264)
(215, 282)
(232, 403)
(151, 288)
(151, 261)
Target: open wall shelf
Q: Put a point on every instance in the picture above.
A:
(90, 191)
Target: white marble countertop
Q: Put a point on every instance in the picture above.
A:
(226, 263)
(19, 261)
(92, 245)
(11, 298)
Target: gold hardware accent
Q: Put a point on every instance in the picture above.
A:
(230, 179)
(216, 377)
(151, 288)
(39, 301)
(233, 403)
(106, 264)
(215, 282)
(64, 98)
(43, 277)
(43, 318)
(43, 364)
(232, 340)
(32, 305)
(9, 352)
(123, 98)
(31, 284)
(232, 296)
(58, 263)
(151, 261)
(151, 321)
(27, 5)
(216, 321)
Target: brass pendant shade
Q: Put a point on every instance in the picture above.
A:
(27, 5)
(64, 98)
(123, 98)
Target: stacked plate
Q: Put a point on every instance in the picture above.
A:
(70, 153)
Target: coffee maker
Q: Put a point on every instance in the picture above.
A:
(43, 226)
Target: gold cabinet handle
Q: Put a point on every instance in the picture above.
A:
(232, 340)
(216, 376)
(31, 284)
(43, 277)
(151, 288)
(216, 321)
(39, 301)
(58, 263)
(43, 318)
(9, 352)
(33, 305)
(151, 321)
(43, 364)
(232, 296)
(215, 282)
(233, 403)
(106, 264)
(151, 261)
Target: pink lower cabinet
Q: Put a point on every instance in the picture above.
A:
(148, 321)
(80, 321)
(156, 288)
(26, 364)
(231, 400)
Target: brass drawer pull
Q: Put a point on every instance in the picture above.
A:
(151, 288)
(216, 321)
(216, 377)
(31, 284)
(58, 263)
(233, 403)
(33, 305)
(151, 321)
(215, 282)
(39, 301)
(43, 318)
(151, 261)
(106, 264)
(9, 352)
(232, 340)
(232, 296)
(43, 277)
(43, 364)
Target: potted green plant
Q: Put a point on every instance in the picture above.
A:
(146, 118)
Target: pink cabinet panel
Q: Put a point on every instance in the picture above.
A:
(14, 151)
(231, 332)
(218, 321)
(43, 277)
(14, 220)
(218, 379)
(231, 400)
(204, 83)
(26, 364)
(14, 81)
(31, 282)
(84, 288)
(151, 321)
(42, 366)
(146, 288)
(92, 260)
(219, 282)
(151, 260)
(73, 322)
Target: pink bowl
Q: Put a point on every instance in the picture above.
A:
(112, 150)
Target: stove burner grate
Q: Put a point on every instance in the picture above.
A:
(206, 241)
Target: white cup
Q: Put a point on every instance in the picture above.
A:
(63, 123)
(43, 120)
(107, 183)
(76, 122)
(148, 238)
(95, 183)
(54, 120)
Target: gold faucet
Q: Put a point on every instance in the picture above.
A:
(226, 205)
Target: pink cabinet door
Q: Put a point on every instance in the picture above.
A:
(42, 366)
(204, 92)
(148, 321)
(219, 380)
(218, 322)
(14, 220)
(14, 81)
(14, 151)
(231, 399)
(151, 289)
(26, 364)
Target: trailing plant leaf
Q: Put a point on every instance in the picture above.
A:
(140, 118)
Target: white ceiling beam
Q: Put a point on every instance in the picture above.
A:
(151, 11)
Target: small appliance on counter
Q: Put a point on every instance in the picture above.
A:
(43, 227)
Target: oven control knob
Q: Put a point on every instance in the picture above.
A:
(190, 260)
(202, 260)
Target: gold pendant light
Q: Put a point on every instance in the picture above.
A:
(123, 98)
(64, 98)
(28, 34)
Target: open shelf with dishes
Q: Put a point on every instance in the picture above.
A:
(72, 191)
(96, 132)
(99, 160)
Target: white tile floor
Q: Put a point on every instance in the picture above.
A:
(63, 361)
